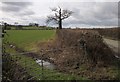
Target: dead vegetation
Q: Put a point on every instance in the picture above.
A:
(82, 44)
(74, 49)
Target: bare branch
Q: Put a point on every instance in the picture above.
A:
(54, 9)
(65, 14)
(59, 7)
(57, 16)
(51, 18)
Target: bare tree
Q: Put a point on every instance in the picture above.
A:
(58, 16)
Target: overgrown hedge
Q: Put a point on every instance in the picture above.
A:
(94, 49)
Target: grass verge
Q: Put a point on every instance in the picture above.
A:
(35, 70)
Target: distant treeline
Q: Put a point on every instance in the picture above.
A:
(113, 33)
(26, 27)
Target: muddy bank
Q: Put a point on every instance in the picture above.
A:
(39, 58)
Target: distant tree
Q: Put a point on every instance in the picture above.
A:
(33, 24)
(58, 16)
(36, 24)
(5, 26)
(19, 27)
(16, 23)
(30, 24)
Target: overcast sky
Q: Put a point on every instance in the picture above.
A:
(93, 13)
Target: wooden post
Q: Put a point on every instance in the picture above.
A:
(82, 43)
(42, 74)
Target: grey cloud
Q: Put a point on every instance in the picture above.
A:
(85, 13)
(11, 9)
(112, 22)
(17, 8)
(103, 14)
(39, 19)
(107, 11)
(34, 19)
(20, 4)
(26, 13)
(91, 14)
(14, 6)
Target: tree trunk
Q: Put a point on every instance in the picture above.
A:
(60, 24)
(60, 20)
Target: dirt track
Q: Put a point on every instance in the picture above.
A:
(113, 44)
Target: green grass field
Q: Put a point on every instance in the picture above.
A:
(23, 38)
(26, 38)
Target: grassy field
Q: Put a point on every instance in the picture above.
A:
(23, 38)
(28, 38)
